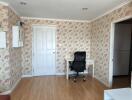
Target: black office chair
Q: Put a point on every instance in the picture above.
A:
(79, 64)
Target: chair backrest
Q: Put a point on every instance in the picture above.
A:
(79, 63)
(80, 56)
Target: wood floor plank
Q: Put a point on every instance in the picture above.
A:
(121, 82)
(58, 88)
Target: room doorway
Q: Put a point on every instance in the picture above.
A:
(44, 50)
(121, 54)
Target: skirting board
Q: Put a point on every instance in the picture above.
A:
(60, 74)
(10, 91)
(24, 76)
(63, 73)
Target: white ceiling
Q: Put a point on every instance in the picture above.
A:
(64, 9)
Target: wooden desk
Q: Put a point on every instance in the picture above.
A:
(88, 63)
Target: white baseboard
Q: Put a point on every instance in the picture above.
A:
(24, 76)
(10, 91)
(60, 74)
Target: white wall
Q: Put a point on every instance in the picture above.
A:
(122, 49)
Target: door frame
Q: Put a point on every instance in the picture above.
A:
(111, 52)
(33, 25)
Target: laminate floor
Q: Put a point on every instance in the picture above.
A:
(58, 88)
(121, 82)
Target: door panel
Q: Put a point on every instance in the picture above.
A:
(43, 50)
(122, 42)
(50, 39)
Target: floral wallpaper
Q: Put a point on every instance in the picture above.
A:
(15, 53)
(71, 36)
(10, 58)
(4, 53)
(100, 41)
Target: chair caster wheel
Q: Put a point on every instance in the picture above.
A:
(84, 79)
(75, 80)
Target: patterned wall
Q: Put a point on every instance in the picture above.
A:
(100, 41)
(71, 36)
(15, 53)
(10, 58)
(4, 53)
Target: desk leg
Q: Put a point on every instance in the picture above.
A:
(88, 70)
(93, 70)
(67, 70)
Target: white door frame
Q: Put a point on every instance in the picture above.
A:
(55, 44)
(111, 53)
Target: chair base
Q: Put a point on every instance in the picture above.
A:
(76, 76)
(75, 79)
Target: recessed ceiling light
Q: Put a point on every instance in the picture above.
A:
(84, 9)
(23, 3)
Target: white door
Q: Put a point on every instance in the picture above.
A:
(43, 50)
